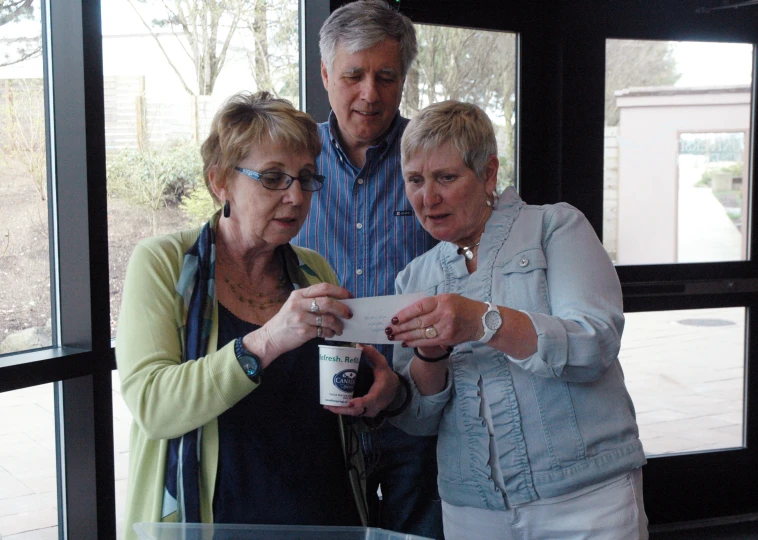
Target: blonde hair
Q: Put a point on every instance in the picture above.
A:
(464, 125)
(246, 120)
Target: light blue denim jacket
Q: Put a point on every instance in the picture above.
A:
(562, 418)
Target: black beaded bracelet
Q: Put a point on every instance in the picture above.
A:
(406, 401)
(431, 360)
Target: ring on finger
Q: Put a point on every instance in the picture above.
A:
(319, 331)
(318, 320)
(430, 332)
(314, 306)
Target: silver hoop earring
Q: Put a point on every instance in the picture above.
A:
(488, 203)
(495, 197)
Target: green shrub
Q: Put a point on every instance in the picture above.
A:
(198, 205)
(503, 178)
(707, 176)
(156, 177)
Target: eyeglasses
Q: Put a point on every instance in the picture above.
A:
(278, 180)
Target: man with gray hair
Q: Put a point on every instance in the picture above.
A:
(362, 223)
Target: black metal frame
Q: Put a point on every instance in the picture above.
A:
(560, 81)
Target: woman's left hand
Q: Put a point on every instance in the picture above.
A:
(381, 393)
(443, 320)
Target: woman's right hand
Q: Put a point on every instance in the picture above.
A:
(314, 311)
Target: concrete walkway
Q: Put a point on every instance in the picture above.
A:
(705, 232)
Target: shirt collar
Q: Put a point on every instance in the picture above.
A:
(381, 148)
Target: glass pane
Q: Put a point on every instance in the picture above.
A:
(468, 65)
(685, 372)
(159, 101)
(24, 248)
(28, 482)
(160, 98)
(676, 151)
(122, 421)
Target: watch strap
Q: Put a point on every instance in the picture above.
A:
(249, 362)
(489, 332)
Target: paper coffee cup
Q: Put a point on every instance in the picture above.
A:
(338, 371)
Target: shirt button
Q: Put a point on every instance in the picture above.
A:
(360, 180)
(359, 226)
(523, 262)
(359, 272)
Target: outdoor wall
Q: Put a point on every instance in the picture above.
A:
(131, 117)
(651, 120)
(610, 190)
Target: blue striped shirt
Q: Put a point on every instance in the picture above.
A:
(361, 221)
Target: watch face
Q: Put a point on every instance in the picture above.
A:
(493, 320)
(251, 365)
(249, 362)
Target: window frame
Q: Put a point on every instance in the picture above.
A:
(80, 362)
(560, 82)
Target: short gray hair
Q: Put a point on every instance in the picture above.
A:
(465, 125)
(362, 24)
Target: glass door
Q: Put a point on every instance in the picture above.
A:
(642, 116)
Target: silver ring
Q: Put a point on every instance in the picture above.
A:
(318, 320)
(430, 332)
(314, 306)
(319, 331)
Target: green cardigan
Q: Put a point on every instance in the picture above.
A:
(168, 398)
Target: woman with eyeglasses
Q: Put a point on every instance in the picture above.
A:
(217, 345)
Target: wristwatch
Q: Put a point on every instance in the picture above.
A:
(249, 362)
(491, 321)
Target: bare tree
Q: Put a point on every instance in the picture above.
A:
(632, 63)
(466, 65)
(18, 49)
(259, 28)
(23, 130)
(203, 28)
(13, 10)
(463, 64)
(411, 91)
(275, 68)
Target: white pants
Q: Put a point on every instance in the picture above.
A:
(610, 510)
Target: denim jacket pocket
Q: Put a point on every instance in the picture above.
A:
(523, 284)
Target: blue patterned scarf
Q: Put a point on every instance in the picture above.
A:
(197, 287)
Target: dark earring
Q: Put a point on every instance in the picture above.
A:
(227, 209)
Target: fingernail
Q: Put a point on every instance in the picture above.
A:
(391, 337)
(395, 320)
(350, 315)
(388, 331)
(404, 344)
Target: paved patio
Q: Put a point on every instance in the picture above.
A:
(683, 369)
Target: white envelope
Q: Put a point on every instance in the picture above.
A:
(371, 315)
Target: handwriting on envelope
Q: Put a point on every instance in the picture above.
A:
(372, 315)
